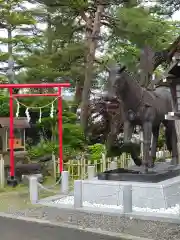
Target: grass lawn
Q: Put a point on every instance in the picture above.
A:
(13, 199)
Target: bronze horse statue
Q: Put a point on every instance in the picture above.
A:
(105, 126)
(144, 108)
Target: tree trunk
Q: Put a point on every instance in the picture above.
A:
(49, 35)
(49, 50)
(10, 72)
(92, 35)
(77, 97)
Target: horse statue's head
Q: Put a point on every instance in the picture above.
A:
(116, 83)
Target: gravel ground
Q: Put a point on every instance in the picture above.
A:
(175, 210)
(18, 229)
(147, 229)
(18, 206)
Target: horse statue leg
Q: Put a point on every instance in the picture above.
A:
(128, 131)
(147, 133)
(137, 160)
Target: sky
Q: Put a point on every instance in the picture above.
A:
(176, 15)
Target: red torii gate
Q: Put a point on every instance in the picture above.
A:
(10, 87)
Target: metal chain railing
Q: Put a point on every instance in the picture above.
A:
(69, 193)
(54, 185)
(46, 189)
(49, 188)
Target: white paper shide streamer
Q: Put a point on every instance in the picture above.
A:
(40, 110)
(17, 111)
(40, 115)
(52, 110)
(27, 114)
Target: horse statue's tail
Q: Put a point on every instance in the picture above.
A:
(168, 139)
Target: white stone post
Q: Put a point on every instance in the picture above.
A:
(64, 182)
(2, 176)
(127, 199)
(78, 194)
(91, 172)
(33, 189)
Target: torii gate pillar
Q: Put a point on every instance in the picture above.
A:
(12, 180)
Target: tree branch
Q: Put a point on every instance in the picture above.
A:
(167, 54)
(84, 16)
(102, 63)
(5, 69)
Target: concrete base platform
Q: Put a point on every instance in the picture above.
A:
(165, 194)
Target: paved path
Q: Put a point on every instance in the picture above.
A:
(18, 229)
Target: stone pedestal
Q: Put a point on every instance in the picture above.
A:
(164, 194)
(150, 194)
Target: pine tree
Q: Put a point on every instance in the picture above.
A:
(61, 56)
(166, 8)
(66, 51)
(90, 16)
(141, 29)
(19, 29)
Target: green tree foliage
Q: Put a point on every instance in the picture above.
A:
(73, 143)
(73, 137)
(18, 25)
(61, 55)
(135, 28)
(95, 152)
(4, 106)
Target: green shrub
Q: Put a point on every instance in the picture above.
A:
(43, 148)
(73, 142)
(95, 152)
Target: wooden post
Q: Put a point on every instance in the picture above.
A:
(54, 165)
(113, 165)
(83, 167)
(141, 143)
(175, 93)
(176, 106)
(177, 126)
(103, 162)
(57, 169)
